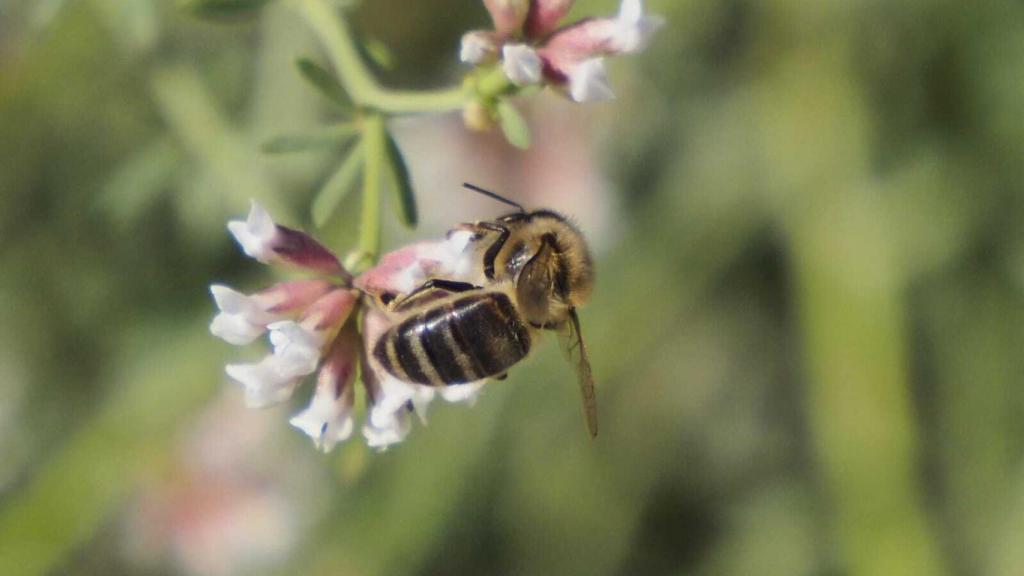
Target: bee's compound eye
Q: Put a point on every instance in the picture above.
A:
(387, 298)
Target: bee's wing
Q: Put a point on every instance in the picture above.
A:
(571, 339)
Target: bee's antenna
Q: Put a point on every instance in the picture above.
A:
(493, 195)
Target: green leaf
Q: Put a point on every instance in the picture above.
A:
(405, 199)
(136, 184)
(337, 186)
(378, 53)
(330, 137)
(324, 81)
(517, 132)
(221, 9)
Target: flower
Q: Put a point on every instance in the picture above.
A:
(521, 64)
(266, 382)
(244, 318)
(228, 503)
(589, 82)
(533, 50)
(508, 15)
(401, 271)
(311, 329)
(270, 243)
(478, 46)
(328, 419)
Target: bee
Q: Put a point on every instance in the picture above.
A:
(536, 270)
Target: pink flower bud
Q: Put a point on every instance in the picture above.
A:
(627, 33)
(329, 312)
(292, 297)
(243, 318)
(544, 16)
(301, 250)
(508, 15)
(299, 345)
(401, 271)
(271, 243)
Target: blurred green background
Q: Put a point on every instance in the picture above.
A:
(807, 329)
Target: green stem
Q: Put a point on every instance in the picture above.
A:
(334, 33)
(369, 228)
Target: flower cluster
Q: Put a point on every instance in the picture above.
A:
(532, 49)
(312, 327)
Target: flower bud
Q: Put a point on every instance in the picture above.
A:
(271, 243)
(508, 15)
(299, 345)
(629, 32)
(544, 16)
(243, 318)
(476, 116)
(401, 271)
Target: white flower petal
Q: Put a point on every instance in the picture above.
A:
(256, 234)
(234, 329)
(326, 421)
(421, 399)
(588, 81)
(241, 320)
(409, 278)
(462, 392)
(522, 64)
(393, 396)
(476, 47)
(631, 10)
(228, 299)
(263, 382)
(457, 241)
(451, 258)
(634, 28)
(457, 257)
(296, 349)
(390, 431)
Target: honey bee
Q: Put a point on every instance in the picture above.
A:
(537, 271)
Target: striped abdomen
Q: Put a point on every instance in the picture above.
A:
(454, 342)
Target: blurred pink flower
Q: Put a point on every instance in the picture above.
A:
(533, 50)
(310, 328)
(223, 505)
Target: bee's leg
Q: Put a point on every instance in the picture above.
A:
(501, 376)
(432, 285)
(447, 285)
(495, 247)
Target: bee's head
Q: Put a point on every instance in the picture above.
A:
(551, 264)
